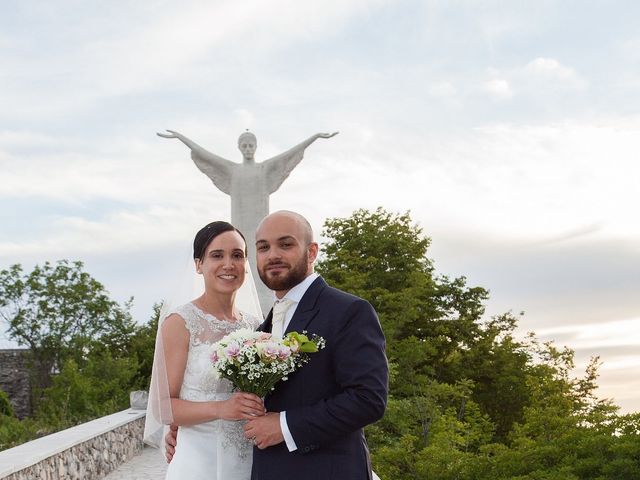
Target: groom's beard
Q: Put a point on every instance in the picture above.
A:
(284, 281)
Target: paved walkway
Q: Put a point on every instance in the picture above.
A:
(149, 465)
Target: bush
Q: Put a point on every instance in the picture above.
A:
(6, 409)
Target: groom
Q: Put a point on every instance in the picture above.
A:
(324, 405)
(313, 428)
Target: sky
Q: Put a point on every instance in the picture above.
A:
(508, 130)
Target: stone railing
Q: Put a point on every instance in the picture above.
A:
(88, 451)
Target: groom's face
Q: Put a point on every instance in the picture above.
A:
(284, 256)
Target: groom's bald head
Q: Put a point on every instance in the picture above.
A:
(293, 219)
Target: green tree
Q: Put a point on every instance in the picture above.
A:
(381, 256)
(433, 324)
(58, 311)
(78, 394)
(142, 346)
(86, 350)
(468, 400)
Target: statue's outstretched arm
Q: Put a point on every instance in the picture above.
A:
(203, 153)
(280, 166)
(218, 169)
(312, 139)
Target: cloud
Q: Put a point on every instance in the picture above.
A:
(550, 69)
(117, 232)
(540, 81)
(574, 233)
(498, 88)
(612, 334)
(107, 56)
(20, 139)
(531, 183)
(245, 116)
(617, 344)
(442, 89)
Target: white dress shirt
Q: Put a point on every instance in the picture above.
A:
(295, 295)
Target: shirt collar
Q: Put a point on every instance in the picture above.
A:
(297, 292)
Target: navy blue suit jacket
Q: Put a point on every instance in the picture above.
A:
(332, 397)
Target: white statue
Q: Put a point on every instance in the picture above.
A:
(248, 183)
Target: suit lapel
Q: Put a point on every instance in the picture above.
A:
(307, 308)
(266, 325)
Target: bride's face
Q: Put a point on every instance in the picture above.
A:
(223, 265)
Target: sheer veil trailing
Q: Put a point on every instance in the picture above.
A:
(159, 414)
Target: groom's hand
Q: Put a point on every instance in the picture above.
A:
(170, 441)
(264, 431)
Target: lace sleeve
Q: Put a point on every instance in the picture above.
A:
(192, 322)
(250, 321)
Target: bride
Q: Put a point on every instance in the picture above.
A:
(184, 390)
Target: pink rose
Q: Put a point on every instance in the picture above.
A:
(233, 350)
(271, 351)
(284, 353)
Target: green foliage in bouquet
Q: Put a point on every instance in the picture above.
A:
(302, 343)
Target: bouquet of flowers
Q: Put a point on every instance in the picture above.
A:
(255, 361)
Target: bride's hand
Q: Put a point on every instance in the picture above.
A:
(241, 406)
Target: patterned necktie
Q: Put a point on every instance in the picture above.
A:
(279, 313)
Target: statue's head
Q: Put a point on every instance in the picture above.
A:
(247, 144)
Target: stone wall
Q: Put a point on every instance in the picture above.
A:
(14, 380)
(91, 458)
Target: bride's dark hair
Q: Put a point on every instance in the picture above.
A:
(207, 233)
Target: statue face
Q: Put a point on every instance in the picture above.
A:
(247, 145)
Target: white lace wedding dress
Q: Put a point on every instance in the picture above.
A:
(215, 450)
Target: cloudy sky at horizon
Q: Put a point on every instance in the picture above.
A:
(510, 132)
